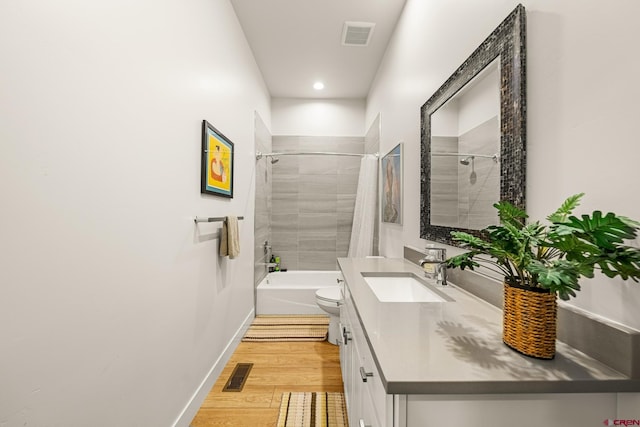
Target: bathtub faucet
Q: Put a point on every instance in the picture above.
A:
(434, 264)
(267, 264)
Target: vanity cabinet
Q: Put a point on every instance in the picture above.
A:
(408, 365)
(368, 404)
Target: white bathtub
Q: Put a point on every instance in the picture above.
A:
(293, 292)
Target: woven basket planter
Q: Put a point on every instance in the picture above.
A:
(529, 321)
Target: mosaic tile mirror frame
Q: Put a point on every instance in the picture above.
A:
(507, 43)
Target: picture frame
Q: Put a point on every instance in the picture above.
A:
(391, 173)
(217, 162)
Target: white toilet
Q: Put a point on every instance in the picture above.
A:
(329, 300)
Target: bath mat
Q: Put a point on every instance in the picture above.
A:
(271, 328)
(317, 409)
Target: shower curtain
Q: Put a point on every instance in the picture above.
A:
(364, 215)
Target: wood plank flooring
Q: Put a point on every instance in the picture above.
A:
(278, 367)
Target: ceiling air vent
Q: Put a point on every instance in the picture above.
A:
(357, 33)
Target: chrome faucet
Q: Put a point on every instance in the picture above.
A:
(434, 264)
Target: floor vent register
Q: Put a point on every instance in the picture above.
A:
(238, 377)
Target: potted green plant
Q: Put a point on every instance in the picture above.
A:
(542, 261)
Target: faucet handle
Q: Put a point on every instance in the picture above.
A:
(436, 254)
(433, 264)
(441, 279)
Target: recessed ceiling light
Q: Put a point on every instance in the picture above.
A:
(318, 85)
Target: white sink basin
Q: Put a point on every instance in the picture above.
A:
(402, 287)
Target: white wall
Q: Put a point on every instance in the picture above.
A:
(114, 305)
(317, 117)
(481, 102)
(582, 104)
(444, 121)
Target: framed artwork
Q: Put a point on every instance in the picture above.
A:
(217, 162)
(391, 205)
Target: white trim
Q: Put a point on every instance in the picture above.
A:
(191, 409)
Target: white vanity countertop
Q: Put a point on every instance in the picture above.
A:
(456, 347)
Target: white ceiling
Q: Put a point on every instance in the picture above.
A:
(297, 42)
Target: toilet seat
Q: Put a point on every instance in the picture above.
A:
(331, 294)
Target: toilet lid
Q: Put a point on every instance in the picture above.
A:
(331, 294)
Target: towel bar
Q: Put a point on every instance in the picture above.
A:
(212, 219)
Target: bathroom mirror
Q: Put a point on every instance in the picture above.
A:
(473, 129)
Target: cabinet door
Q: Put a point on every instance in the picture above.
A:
(344, 348)
(507, 410)
(381, 402)
(366, 371)
(368, 416)
(367, 400)
(346, 354)
(357, 391)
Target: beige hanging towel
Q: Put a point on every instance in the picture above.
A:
(229, 238)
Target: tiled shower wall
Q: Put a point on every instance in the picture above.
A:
(313, 201)
(463, 195)
(262, 220)
(444, 182)
(479, 181)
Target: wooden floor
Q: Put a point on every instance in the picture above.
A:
(278, 367)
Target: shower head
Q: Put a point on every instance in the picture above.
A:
(274, 160)
(466, 160)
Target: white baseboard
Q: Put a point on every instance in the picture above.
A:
(209, 380)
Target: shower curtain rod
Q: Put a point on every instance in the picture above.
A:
(260, 155)
(495, 157)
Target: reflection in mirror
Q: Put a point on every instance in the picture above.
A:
(473, 136)
(465, 147)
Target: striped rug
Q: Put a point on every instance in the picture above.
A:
(267, 328)
(312, 409)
